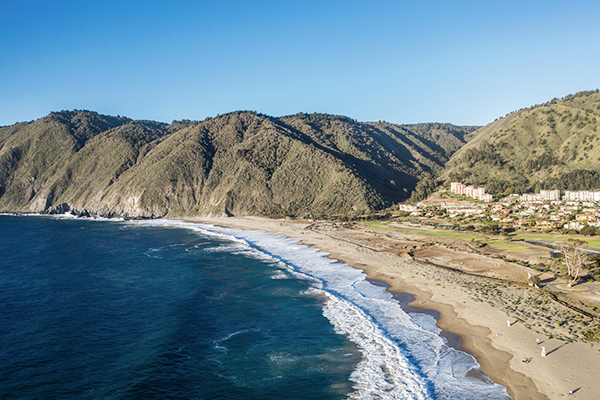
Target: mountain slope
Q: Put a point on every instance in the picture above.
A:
(553, 145)
(238, 163)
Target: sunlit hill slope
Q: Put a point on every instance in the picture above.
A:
(238, 163)
(555, 145)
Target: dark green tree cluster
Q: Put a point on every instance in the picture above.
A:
(580, 179)
(589, 231)
(543, 161)
(491, 157)
(425, 188)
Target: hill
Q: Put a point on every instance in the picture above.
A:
(555, 145)
(237, 163)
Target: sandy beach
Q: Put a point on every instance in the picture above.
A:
(501, 325)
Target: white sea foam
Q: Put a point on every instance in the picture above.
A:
(153, 253)
(64, 216)
(403, 356)
(280, 275)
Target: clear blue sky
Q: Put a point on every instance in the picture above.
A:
(464, 62)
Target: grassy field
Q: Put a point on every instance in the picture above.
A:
(508, 246)
(468, 236)
(593, 242)
(377, 225)
(499, 242)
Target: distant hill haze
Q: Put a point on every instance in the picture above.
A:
(555, 145)
(241, 163)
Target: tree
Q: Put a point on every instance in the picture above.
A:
(425, 188)
(588, 230)
(576, 259)
(492, 228)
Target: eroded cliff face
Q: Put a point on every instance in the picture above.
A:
(236, 164)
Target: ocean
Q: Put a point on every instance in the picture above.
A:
(106, 309)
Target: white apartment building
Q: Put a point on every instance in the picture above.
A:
(531, 197)
(549, 195)
(470, 191)
(581, 195)
(458, 188)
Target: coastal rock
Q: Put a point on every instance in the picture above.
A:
(40, 204)
(62, 208)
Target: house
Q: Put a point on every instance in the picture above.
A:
(521, 222)
(573, 225)
(548, 224)
(408, 208)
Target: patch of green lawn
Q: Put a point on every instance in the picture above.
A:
(499, 242)
(494, 242)
(377, 225)
(445, 234)
(509, 246)
(592, 241)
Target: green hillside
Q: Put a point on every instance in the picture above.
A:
(555, 145)
(238, 163)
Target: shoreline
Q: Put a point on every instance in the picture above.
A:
(407, 302)
(482, 328)
(493, 362)
(465, 309)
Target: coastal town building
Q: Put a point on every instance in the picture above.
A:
(546, 210)
(573, 225)
(458, 188)
(569, 196)
(581, 195)
(473, 210)
(477, 193)
(486, 197)
(408, 208)
(549, 195)
(543, 195)
(585, 217)
(530, 197)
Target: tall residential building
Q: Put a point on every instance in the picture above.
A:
(458, 188)
(478, 193)
(486, 197)
(470, 191)
(581, 195)
(550, 195)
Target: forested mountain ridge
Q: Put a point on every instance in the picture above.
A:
(555, 145)
(237, 163)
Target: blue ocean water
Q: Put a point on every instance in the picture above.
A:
(105, 310)
(167, 309)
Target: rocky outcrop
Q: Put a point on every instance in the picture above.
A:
(61, 208)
